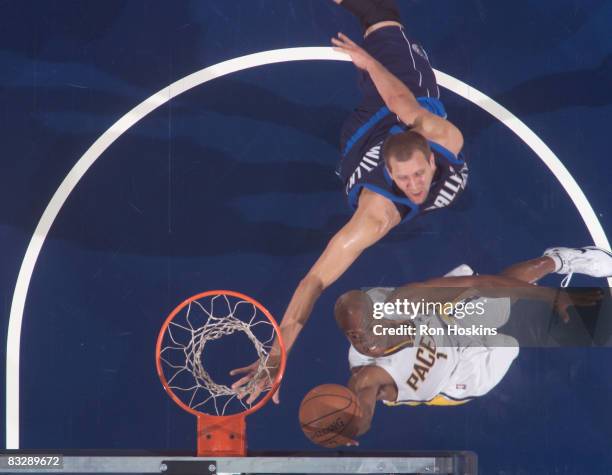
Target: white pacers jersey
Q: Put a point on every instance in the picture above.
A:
(436, 370)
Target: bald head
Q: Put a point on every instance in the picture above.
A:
(353, 310)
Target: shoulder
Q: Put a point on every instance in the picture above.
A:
(444, 155)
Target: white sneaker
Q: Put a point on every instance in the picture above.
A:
(590, 260)
(460, 271)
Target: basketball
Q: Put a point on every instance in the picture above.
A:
(329, 415)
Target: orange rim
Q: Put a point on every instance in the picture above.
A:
(210, 293)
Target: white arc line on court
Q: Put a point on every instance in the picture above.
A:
(200, 77)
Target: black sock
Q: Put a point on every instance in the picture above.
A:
(370, 12)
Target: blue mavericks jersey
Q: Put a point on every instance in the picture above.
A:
(363, 167)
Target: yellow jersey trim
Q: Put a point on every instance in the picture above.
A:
(438, 400)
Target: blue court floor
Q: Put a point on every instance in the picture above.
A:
(231, 185)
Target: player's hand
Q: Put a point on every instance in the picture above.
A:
(342, 442)
(360, 57)
(575, 298)
(254, 382)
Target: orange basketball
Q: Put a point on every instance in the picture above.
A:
(329, 414)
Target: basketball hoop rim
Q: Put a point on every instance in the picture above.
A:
(209, 293)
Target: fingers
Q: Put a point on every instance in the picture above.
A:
(340, 46)
(597, 295)
(587, 298)
(250, 370)
(254, 394)
(242, 381)
(343, 42)
(244, 369)
(257, 383)
(255, 391)
(345, 38)
(242, 393)
(276, 397)
(344, 443)
(591, 294)
(564, 315)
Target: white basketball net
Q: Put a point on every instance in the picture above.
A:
(184, 358)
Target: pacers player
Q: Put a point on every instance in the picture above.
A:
(442, 369)
(400, 156)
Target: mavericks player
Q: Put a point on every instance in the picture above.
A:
(400, 156)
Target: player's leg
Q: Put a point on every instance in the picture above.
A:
(387, 41)
(532, 270)
(373, 14)
(405, 59)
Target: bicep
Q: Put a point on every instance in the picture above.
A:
(440, 130)
(433, 127)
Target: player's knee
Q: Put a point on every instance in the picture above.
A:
(370, 12)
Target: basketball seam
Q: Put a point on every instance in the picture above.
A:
(327, 441)
(350, 400)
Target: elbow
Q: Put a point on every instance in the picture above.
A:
(383, 223)
(405, 106)
(457, 139)
(384, 226)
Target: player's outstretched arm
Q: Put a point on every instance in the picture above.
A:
(400, 99)
(374, 218)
